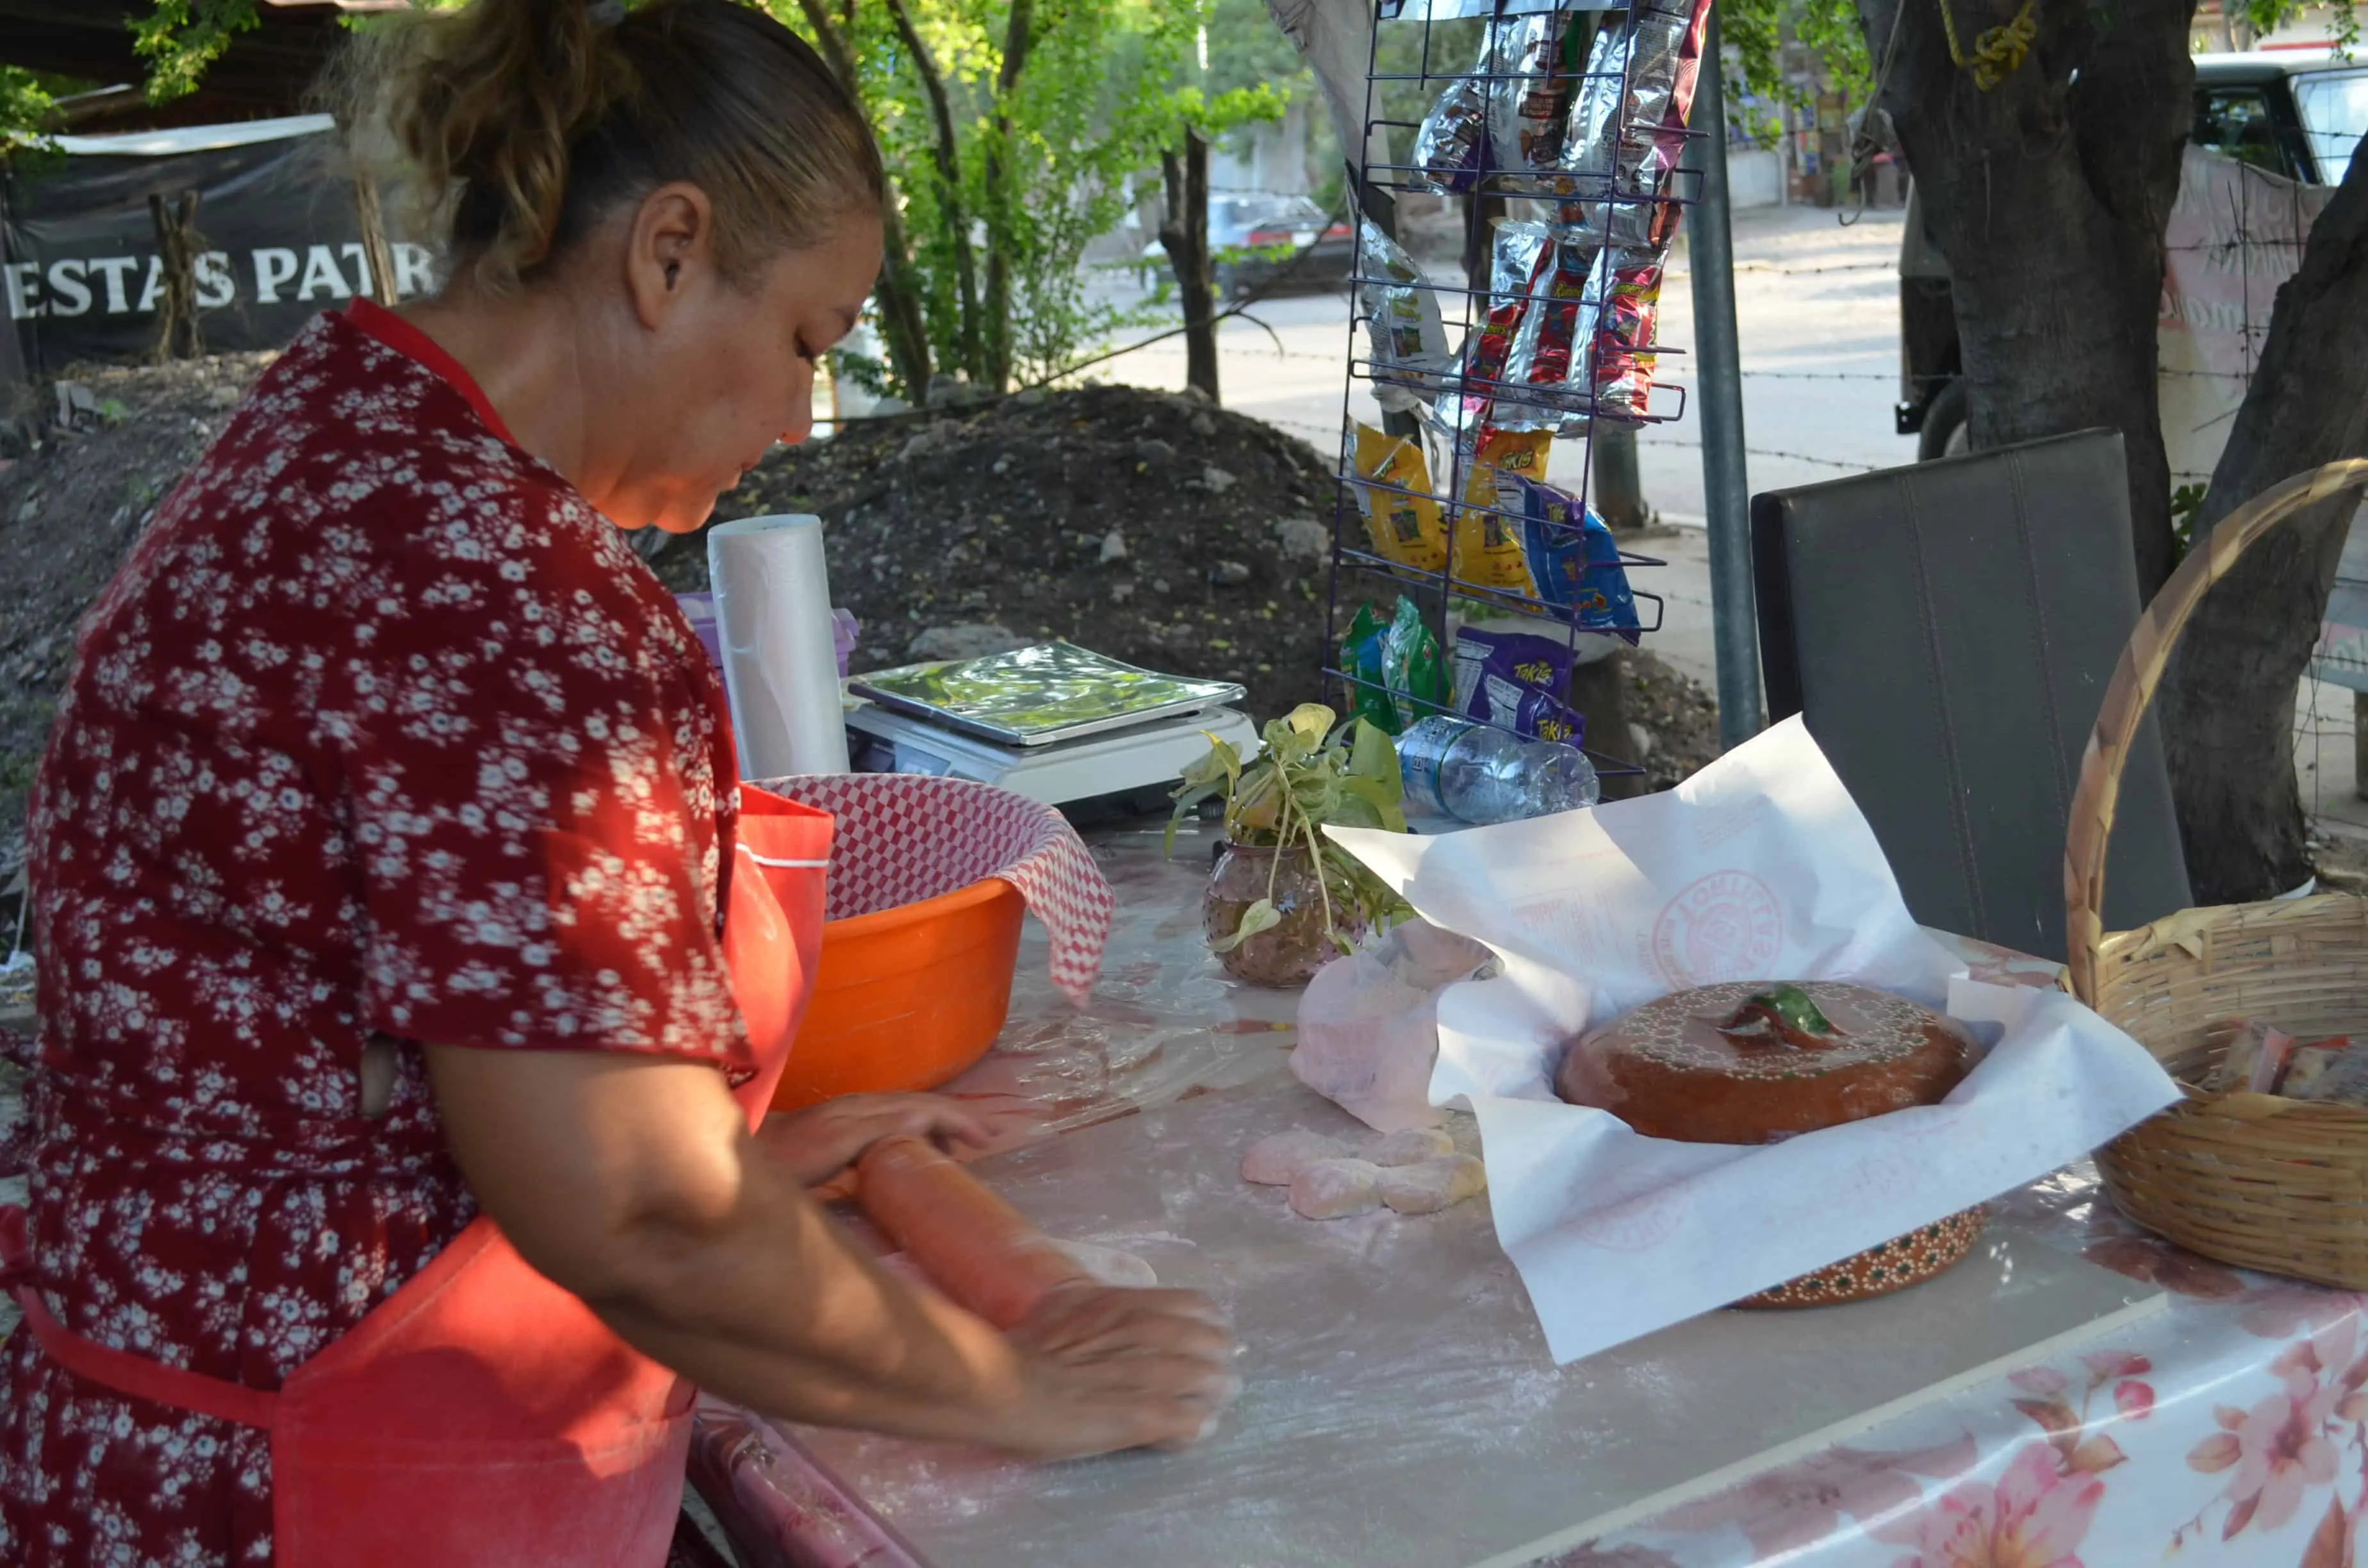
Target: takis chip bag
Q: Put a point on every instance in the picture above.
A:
(1514, 680)
(1549, 717)
(1573, 562)
(1392, 489)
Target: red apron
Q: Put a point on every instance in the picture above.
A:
(481, 1416)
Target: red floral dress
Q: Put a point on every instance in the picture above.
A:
(380, 731)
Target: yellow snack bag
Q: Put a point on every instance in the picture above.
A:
(1404, 528)
(1488, 548)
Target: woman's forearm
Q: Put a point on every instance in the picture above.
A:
(634, 1183)
(780, 1309)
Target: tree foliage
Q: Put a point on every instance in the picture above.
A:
(1014, 131)
(180, 38)
(26, 104)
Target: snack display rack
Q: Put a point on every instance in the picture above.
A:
(1570, 120)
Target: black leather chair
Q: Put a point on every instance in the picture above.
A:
(1947, 630)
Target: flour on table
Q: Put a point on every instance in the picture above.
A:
(1410, 1146)
(1334, 1190)
(1431, 1185)
(1276, 1161)
(1109, 1266)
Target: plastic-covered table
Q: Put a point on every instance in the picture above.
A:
(2190, 1413)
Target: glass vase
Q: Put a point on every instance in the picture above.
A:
(1288, 952)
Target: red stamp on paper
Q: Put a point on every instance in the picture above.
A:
(1725, 926)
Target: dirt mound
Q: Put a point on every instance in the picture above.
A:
(69, 511)
(1149, 526)
(1153, 528)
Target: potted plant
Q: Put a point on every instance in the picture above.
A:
(1283, 899)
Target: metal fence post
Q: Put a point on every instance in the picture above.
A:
(1726, 491)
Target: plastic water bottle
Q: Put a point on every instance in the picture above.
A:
(1478, 773)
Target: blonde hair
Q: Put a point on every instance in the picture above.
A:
(521, 124)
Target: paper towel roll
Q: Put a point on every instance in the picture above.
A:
(773, 613)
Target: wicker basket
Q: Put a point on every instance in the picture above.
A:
(2254, 1180)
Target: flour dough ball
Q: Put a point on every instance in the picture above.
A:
(1411, 1146)
(1109, 1266)
(1433, 1185)
(1276, 1161)
(1334, 1190)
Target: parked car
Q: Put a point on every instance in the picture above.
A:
(1254, 239)
(2297, 115)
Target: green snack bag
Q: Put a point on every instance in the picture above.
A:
(1361, 660)
(1411, 668)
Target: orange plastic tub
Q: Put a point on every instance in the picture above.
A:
(906, 998)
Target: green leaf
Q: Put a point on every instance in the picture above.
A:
(1260, 916)
(1371, 757)
(1381, 799)
(1313, 721)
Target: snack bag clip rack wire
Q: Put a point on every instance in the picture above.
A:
(1572, 122)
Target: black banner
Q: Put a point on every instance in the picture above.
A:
(279, 239)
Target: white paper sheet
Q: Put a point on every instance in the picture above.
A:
(1758, 868)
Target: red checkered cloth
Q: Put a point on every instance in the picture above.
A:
(904, 838)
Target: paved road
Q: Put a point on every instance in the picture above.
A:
(1816, 308)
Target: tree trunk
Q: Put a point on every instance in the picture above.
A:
(177, 251)
(1184, 236)
(1001, 215)
(898, 290)
(2048, 196)
(2228, 705)
(947, 153)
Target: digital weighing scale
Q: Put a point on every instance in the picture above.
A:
(1129, 770)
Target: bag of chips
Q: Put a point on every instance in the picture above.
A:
(1360, 662)
(1546, 372)
(1525, 105)
(2327, 1072)
(1624, 136)
(1451, 148)
(1522, 253)
(1485, 549)
(1514, 680)
(1573, 563)
(1410, 666)
(2253, 1056)
(1393, 488)
(1411, 358)
(1623, 361)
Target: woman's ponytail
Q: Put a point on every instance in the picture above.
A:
(519, 123)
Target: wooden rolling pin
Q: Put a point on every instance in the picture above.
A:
(971, 1244)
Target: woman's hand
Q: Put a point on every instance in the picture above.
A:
(816, 1144)
(1102, 1369)
(633, 1182)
